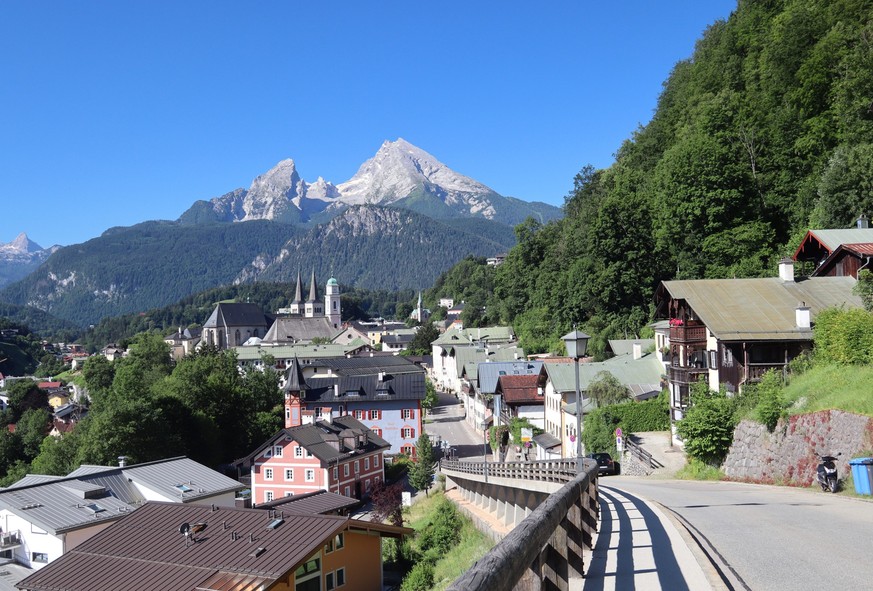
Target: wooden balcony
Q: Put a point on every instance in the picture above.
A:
(688, 334)
(686, 375)
(756, 371)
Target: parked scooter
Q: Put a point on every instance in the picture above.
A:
(826, 474)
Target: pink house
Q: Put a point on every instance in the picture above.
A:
(341, 455)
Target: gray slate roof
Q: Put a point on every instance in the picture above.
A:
(325, 440)
(489, 373)
(61, 504)
(298, 329)
(237, 314)
(319, 502)
(348, 366)
(404, 386)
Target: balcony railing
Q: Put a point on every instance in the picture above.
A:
(755, 372)
(686, 375)
(687, 334)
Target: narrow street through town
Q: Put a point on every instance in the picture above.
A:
(446, 426)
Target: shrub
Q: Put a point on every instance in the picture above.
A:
(844, 336)
(708, 428)
(420, 578)
(442, 533)
(771, 404)
(598, 434)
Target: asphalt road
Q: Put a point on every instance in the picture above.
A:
(445, 422)
(767, 537)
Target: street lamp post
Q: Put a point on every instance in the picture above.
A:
(577, 343)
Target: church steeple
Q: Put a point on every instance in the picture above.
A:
(295, 388)
(313, 292)
(296, 306)
(314, 307)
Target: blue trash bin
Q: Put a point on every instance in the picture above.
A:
(861, 468)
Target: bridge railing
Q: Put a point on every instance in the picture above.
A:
(545, 550)
(561, 470)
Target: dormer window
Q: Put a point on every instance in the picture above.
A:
(183, 488)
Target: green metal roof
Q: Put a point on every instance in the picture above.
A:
(301, 351)
(761, 309)
(636, 374)
(831, 239)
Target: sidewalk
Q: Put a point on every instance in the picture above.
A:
(638, 546)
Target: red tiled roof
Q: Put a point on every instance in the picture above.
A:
(521, 389)
(47, 385)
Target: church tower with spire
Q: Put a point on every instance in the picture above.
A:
(313, 307)
(296, 306)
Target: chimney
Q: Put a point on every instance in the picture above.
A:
(122, 461)
(863, 222)
(336, 390)
(786, 269)
(801, 315)
(381, 376)
(638, 351)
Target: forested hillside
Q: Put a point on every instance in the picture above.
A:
(766, 131)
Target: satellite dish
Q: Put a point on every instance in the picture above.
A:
(184, 529)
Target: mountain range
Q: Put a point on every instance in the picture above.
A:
(399, 175)
(403, 219)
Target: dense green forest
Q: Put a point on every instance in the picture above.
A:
(144, 266)
(154, 264)
(765, 132)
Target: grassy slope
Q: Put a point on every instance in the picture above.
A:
(473, 545)
(826, 387)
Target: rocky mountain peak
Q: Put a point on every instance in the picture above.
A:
(21, 245)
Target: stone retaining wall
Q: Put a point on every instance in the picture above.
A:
(789, 455)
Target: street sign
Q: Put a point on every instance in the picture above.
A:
(618, 445)
(526, 434)
(618, 431)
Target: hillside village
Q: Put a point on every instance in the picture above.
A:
(350, 409)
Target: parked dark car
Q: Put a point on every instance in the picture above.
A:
(605, 465)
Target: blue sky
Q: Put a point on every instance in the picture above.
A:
(113, 113)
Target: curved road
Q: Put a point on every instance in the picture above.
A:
(769, 537)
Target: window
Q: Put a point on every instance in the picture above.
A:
(268, 474)
(367, 486)
(287, 413)
(298, 452)
(407, 433)
(366, 463)
(377, 431)
(39, 557)
(375, 461)
(713, 359)
(277, 451)
(359, 414)
(328, 582)
(268, 496)
(345, 469)
(318, 412)
(310, 475)
(346, 493)
(335, 543)
(268, 453)
(407, 414)
(308, 454)
(289, 473)
(375, 415)
(335, 473)
(340, 577)
(308, 576)
(357, 466)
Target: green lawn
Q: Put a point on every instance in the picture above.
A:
(831, 387)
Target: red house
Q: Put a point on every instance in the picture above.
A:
(340, 455)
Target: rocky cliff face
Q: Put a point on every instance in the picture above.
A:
(400, 174)
(789, 455)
